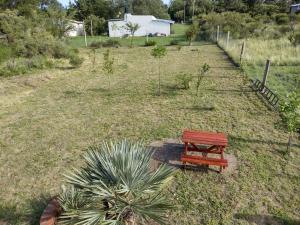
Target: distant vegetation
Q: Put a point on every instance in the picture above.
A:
(33, 39)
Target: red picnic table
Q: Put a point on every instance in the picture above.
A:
(205, 143)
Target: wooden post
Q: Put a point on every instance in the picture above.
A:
(193, 8)
(84, 35)
(242, 52)
(227, 41)
(92, 27)
(266, 73)
(184, 4)
(218, 33)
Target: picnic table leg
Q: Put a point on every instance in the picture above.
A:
(222, 155)
(186, 146)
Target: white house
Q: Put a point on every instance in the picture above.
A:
(77, 28)
(148, 25)
(295, 8)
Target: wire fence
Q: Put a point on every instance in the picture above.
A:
(251, 54)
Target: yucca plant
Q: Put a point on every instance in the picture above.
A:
(116, 186)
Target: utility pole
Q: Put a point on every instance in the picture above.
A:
(92, 27)
(184, 5)
(194, 7)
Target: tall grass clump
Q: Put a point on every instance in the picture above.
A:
(279, 51)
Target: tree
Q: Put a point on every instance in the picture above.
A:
(132, 28)
(57, 21)
(290, 112)
(108, 64)
(158, 53)
(116, 186)
(94, 46)
(202, 71)
(153, 7)
(191, 33)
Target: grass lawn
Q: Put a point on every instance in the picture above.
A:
(50, 118)
(178, 34)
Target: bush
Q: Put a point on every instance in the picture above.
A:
(75, 60)
(111, 43)
(28, 38)
(184, 80)
(240, 25)
(150, 43)
(37, 62)
(284, 29)
(96, 44)
(174, 42)
(5, 52)
(282, 19)
(17, 66)
(295, 39)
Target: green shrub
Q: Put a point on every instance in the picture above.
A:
(150, 43)
(14, 66)
(5, 52)
(37, 62)
(284, 29)
(282, 19)
(297, 39)
(96, 44)
(111, 43)
(75, 60)
(184, 80)
(240, 25)
(174, 42)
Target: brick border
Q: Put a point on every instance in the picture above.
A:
(51, 213)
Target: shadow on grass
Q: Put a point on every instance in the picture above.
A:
(267, 219)
(169, 152)
(99, 90)
(65, 67)
(72, 94)
(10, 214)
(228, 90)
(201, 108)
(257, 141)
(167, 90)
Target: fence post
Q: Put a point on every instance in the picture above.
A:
(92, 27)
(242, 52)
(227, 41)
(266, 73)
(218, 33)
(84, 34)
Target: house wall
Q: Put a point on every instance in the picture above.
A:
(148, 25)
(295, 9)
(77, 30)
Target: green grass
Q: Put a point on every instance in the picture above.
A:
(5, 52)
(178, 29)
(284, 75)
(49, 119)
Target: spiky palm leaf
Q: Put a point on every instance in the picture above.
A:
(116, 183)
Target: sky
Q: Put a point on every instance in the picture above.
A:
(66, 2)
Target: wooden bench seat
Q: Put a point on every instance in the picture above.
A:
(204, 160)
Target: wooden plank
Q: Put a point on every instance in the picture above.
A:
(266, 73)
(205, 138)
(204, 160)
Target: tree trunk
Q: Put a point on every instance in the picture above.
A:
(159, 77)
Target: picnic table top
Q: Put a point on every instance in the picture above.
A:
(205, 138)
